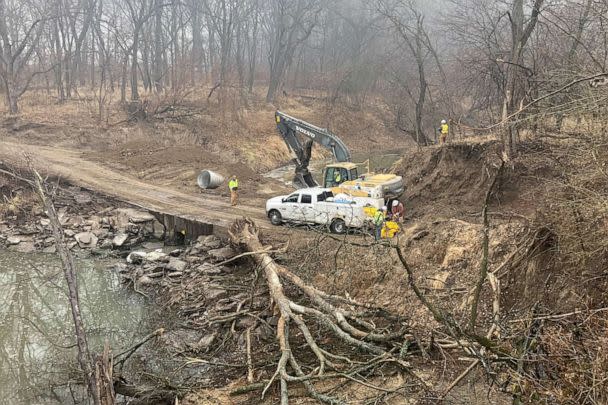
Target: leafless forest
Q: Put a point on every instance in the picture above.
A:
(478, 62)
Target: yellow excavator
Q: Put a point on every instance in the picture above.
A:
(341, 176)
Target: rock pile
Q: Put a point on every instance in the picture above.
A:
(87, 222)
(212, 289)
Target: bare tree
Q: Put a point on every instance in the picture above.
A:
(290, 23)
(515, 91)
(408, 23)
(21, 26)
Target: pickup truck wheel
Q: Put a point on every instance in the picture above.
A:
(338, 226)
(275, 217)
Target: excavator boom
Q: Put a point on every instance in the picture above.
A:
(289, 127)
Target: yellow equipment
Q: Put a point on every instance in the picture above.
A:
(342, 175)
(390, 228)
(365, 185)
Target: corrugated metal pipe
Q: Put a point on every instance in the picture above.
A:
(208, 179)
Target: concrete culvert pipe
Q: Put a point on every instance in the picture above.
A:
(208, 179)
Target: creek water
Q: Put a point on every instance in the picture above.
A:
(37, 356)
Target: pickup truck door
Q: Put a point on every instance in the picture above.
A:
(307, 209)
(289, 207)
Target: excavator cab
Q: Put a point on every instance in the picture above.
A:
(337, 173)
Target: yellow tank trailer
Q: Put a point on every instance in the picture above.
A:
(344, 178)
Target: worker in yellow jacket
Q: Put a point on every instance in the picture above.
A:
(444, 130)
(379, 218)
(233, 185)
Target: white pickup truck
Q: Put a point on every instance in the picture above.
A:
(319, 206)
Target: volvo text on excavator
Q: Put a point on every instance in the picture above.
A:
(342, 175)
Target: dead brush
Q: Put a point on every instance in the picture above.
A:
(570, 363)
(18, 205)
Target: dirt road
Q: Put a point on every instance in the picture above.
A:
(70, 165)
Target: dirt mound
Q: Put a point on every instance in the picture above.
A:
(448, 181)
(452, 180)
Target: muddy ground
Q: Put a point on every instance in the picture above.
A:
(547, 239)
(171, 149)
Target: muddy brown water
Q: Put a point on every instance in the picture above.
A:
(37, 357)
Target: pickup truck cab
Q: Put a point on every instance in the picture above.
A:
(319, 206)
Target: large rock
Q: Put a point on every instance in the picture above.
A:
(120, 239)
(94, 222)
(208, 242)
(156, 256)
(136, 257)
(86, 239)
(176, 264)
(45, 221)
(13, 240)
(222, 254)
(126, 215)
(24, 247)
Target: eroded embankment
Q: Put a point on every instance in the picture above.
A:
(530, 254)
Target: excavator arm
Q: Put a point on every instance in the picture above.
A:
(289, 127)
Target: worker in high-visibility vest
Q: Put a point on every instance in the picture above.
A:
(444, 130)
(337, 178)
(379, 218)
(233, 185)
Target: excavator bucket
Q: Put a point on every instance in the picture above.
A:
(304, 180)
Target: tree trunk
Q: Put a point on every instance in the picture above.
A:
(253, 53)
(134, 67)
(69, 271)
(197, 43)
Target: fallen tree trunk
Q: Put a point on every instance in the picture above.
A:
(244, 234)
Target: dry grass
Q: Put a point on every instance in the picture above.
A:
(241, 126)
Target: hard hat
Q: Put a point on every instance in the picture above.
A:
(395, 203)
(443, 121)
(383, 208)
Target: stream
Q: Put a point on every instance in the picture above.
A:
(37, 353)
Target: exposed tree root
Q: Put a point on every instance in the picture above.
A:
(345, 325)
